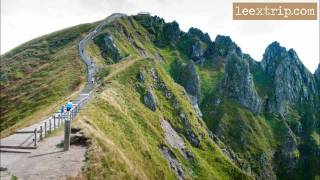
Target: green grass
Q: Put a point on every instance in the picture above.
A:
(125, 135)
(40, 74)
(130, 133)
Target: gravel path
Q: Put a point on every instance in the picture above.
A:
(48, 161)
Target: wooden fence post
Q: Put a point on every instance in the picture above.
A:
(67, 129)
(50, 125)
(41, 136)
(58, 121)
(54, 122)
(35, 137)
(45, 128)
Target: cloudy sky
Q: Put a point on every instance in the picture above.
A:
(23, 20)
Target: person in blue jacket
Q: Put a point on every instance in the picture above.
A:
(69, 106)
(62, 109)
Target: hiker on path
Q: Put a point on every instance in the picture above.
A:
(69, 106)
(62, 109)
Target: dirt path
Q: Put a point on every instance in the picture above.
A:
(48, 161)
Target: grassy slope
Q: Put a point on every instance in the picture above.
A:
(260, 135)
(39, 75)
(128, 133)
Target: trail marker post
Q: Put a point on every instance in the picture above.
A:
(67, 130)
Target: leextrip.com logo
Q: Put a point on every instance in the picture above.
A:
(274, 11)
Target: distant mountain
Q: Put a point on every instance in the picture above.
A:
(173, 104)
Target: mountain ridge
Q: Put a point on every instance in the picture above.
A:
(237, 117)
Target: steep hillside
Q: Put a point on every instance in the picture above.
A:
(262, 120)
(177, 105)
(37, 75)
(140, 121)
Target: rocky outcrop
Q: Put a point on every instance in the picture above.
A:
(108, 48)
(174, 139)
(293, 83)
(190, 81)
(238, 83)
(194, 102)
(171, 136)
(195, 32)
(288, 155)
(197, 52)
(199, 43)
(190, 135)
(149, 100)
(225, 46)
(171, 32)
(174, 164)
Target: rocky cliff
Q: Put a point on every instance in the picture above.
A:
(293, 83)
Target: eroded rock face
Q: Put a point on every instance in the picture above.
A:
(288, 155)
(175, 140)
(197, 52)
(225, 46)
(149, 100)
(171, 136)
(191, 136)
(191, 81)
(199, 34)
(174, 164)
(238, 83)
(293, 83)
(108, 48)
(172, 31)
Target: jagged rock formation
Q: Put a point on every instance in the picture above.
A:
(293, 83)
(174, 164)
(195, 32)
(171, 32)
(191, 81)
(197, 52)
(108, 48)
(225, 46)
(150, 101)
(191, 136)
(238, 83)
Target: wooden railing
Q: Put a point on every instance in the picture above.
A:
(57, 120)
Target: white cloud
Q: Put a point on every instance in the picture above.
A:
(24, 20)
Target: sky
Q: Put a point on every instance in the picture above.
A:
(23, 20)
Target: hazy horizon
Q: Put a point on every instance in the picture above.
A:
(22, 21)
